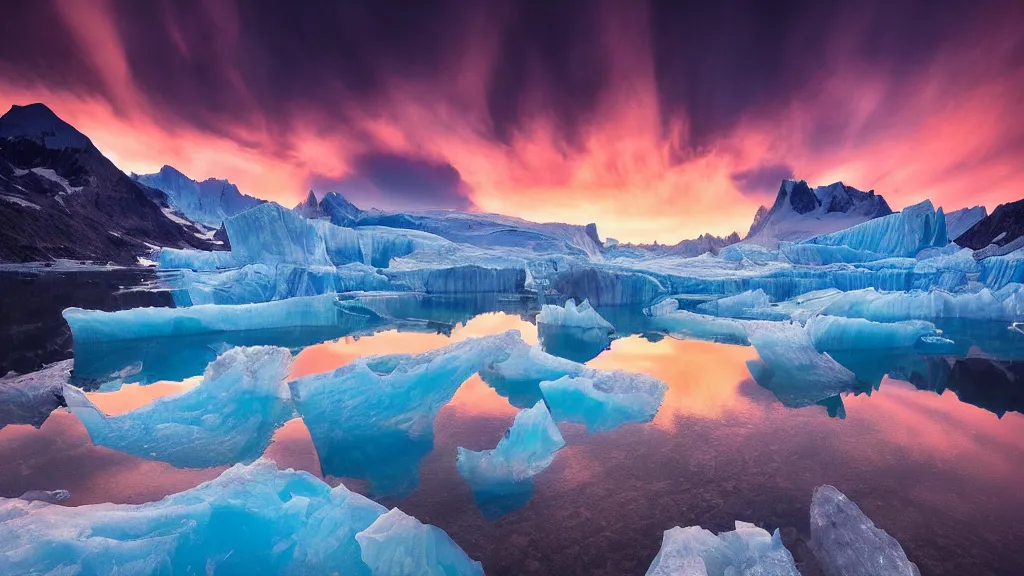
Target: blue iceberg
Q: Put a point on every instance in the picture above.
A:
(846, 542)
(745, 551)
(839, 333)
(252, 519)
(793, 369)
(604, 400)
(903, 234)
(518, 375)
(500, 478)
(386, 405)
(137, 323)
(229, 417)
(571, 315)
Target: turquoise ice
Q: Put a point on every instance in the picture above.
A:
(745, 551)
(229, 417)
(252, 519)
(604, 400)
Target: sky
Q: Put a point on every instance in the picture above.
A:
(659, 120)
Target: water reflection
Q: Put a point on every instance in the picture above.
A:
(918, 457)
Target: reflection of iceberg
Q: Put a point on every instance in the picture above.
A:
(578, 333)
(847, 543)
(793, 369)
(685, 325)
(747, 550)
(992, 385)
(29, 398)
(500, 477)
(229, 417)
(374, 418)
(251, 520)
(604, 400)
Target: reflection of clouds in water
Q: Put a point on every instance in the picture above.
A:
(332, 355)
(132, 396)
(703, 378)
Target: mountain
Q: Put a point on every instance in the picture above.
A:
(61, 198)
(705, 243)
(800, 213)
(208, 202)
(477, 229)
(960, 221)
(1000, 232)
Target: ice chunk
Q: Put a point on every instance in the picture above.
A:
(308, 312)
(604, 400)
(745, 551)
(1006, 304)
(51, 496)
(847, 543)
(397, 543)
(604, 286)
(518, 376)
(526, 449)
(386, 405)
(29, 398)
(198, 260)
(793, 369)
(270, 234)
(229, 417)
(683, 324)
(250, 520)
(582, 316)
(742, 305)
(903, 234)
(838, 333)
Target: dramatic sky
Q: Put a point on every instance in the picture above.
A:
(658, 120)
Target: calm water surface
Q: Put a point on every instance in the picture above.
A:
(942, 476)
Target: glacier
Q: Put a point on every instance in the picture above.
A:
(745, 551)
(847, 543)
(500, 477)
(386, 405)
(252, 519)
(903, 234)
(229, 417)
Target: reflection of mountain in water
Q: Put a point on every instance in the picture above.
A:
(990, 384)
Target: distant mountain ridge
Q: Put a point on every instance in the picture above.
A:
(703, 244)
(800, 213)
(208, 202)
(478, 229)
(1000, 232)
(61, 198)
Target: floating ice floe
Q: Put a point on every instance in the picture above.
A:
(229, 417)
(138, 323)
(745, 551)
(839, 333)
(252, 519)
(847, 543)
(793, 369)
(386, 405)
(571, 315)
(604, 400)
(29, 398)
(501, 477)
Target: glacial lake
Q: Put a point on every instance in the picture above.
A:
(938, 467)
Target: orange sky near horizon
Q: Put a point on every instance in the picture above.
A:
(943, 131)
